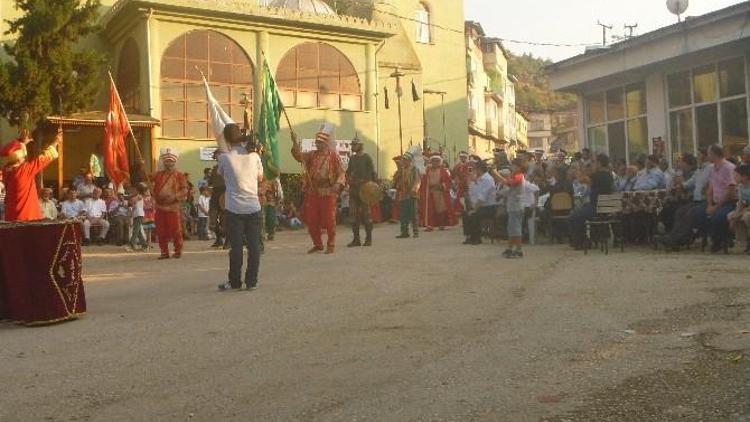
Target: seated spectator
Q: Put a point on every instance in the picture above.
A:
(739, 219)
(72, 207)
(678, 193)
(48, 206)
(721, 197)
(482, 204)
(96, 215)
(119, 218)
(669, 174)
(621, 174)
(649, 176)
(86, 189)
(602, 183)
(746, 155)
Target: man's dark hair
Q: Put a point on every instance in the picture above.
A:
(232, 133)
(654, 158)
(703, 151)
(586, 150)
(743, 170)
(716, 150)
(481, 166)
(603, 160)
(690, 160)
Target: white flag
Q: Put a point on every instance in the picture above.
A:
(219, 118)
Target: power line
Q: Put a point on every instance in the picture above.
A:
(508, 40)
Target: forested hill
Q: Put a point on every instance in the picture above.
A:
(532, 90)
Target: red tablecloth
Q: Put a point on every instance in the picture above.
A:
(40, 272)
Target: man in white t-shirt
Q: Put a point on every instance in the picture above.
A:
(96, 213)
(242, 171)
(204, 207)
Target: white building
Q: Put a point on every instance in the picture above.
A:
(684, 86)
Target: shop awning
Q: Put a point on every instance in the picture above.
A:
(98, 118)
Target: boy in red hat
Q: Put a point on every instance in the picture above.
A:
(19, 175)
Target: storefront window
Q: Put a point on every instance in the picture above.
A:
(704, 84)
(679, 89)
(734, 134)
(623, 110)
(717, 112)
(681, 133)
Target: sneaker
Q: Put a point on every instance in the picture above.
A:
(177, 255)
(368, 243)
(251, 287)
(508, 253)
(403, 236)
(226, 287)
(518, 254)
(315, 249)
(354, 243)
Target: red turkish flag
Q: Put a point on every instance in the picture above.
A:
(116, 132)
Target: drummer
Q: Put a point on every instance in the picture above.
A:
(360, 171)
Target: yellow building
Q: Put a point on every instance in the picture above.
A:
(329, 67)
(522, 131)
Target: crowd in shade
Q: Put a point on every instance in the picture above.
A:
(520, 199)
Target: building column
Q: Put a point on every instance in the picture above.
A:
(371, 74)
(261, 55)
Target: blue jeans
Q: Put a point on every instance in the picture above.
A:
(203, 228)
(241, 228)
(578, 224)
(719, 226)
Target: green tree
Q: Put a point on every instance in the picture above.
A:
(48, 71)
(532, 91)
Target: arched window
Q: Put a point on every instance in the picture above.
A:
(318, 75)
(423, 24)
(129, 76)
(183, 99)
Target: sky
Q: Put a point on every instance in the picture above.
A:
(573, 21)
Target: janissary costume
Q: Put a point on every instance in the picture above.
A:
(360, 171)
(169, 190)
(324, 177)
(19, 176)
(407, 181)
(460, 176)
(435, 196)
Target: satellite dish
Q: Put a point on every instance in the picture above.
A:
(678, 7)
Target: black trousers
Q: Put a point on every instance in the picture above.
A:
(241, 227)
(473, 221)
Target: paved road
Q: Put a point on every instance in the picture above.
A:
(410, 330)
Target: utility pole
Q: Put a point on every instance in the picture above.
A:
(631, 29)
(604, 31)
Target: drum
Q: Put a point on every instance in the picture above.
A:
(40, 272)
(370, 193)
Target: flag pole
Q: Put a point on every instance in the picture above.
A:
(130, 128)
(283, 107)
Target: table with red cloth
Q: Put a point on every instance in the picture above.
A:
(40, 272)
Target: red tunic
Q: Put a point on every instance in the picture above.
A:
(22, 198)
(435, 199)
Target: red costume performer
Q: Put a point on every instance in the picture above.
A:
(435, 196)
(461, 179)
(170, 190)
(19, 176)
(324, 178)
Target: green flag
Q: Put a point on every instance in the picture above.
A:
(268, 127)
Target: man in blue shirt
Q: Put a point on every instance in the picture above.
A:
(482, 197)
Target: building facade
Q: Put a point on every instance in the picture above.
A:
(554, 131)
(493, 120)
(670, 91)
(328, 67)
